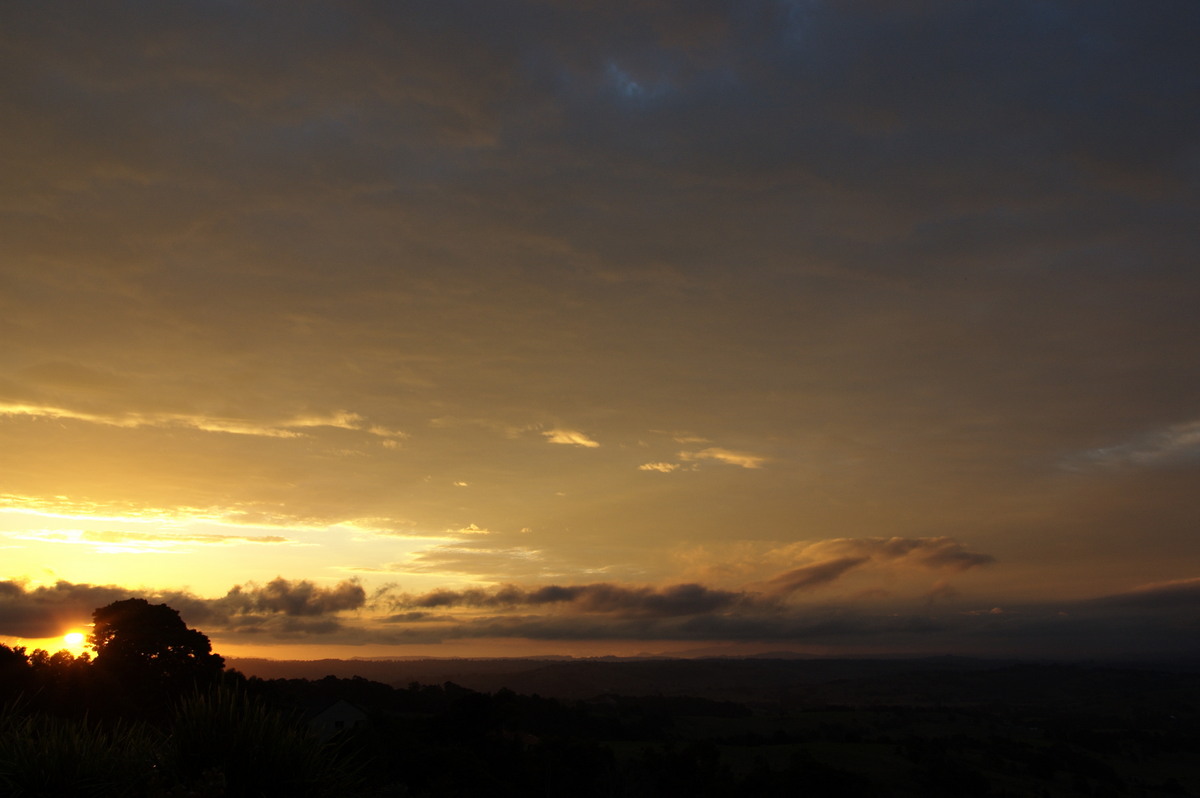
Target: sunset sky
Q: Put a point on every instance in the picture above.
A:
(473, 328)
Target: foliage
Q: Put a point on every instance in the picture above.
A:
(137, 640)
(250, 748)
(46, 755)
(207, 737)
(219, 742)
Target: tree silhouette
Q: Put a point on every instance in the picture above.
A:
(149, 643)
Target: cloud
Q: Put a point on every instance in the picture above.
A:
(955, 559)
(1173, 445)
(570, 438)
(810, 576)
(286, 428)
(662, 468)
(131, 420)
(298, 598)
(1069, 630)
(132, 542)
(933, 553)
(1178, 594)
(568, 613)
(108, 536)
(741, 459)
(1157, 619)
(941, 590)
(474, 556)
(49, 610)
(602, 598)
(833, 560)
(339, 420)
(469, 529)
(343, 420)
(260, 608)
(744, 560)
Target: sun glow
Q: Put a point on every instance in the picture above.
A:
(74, 642)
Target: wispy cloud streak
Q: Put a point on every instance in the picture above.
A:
(286, 428)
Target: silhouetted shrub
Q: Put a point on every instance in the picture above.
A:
(44, 755)
(226, 736)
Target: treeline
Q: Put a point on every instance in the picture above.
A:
(71, 727)
(447, 740)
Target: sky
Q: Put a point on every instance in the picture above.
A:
(642, 326)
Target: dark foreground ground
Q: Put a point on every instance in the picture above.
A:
(722, 727)
(580, 728)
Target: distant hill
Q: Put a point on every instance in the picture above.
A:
(769, 680)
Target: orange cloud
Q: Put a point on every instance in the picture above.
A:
(741, 459)
(570, 438)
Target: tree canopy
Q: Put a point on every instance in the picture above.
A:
(142, 640)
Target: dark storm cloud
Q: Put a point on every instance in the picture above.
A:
(1158, 619)
(687, 599)
(281, 605)
(294, 598)
(50, 610)
(956, 559)
(836, 557)
(1182, 595)
(811, 576)
(1068, 630)
(927, 552)
(829, 561)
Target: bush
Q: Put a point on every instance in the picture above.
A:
(226, 736)
(45, 755)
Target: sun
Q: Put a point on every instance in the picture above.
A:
(73, 642)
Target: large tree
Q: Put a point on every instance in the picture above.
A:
(138, 640)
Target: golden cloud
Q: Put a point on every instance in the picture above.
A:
(740, 459)
(570, 438)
